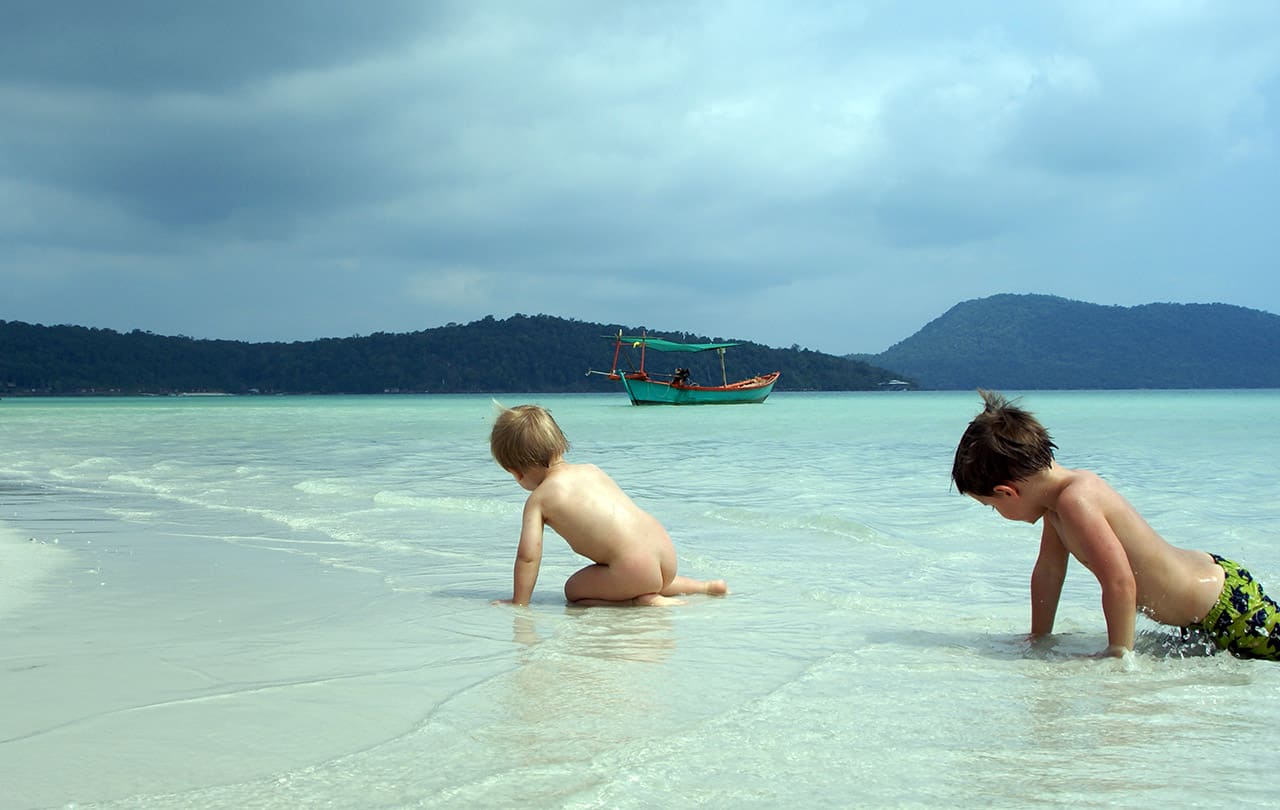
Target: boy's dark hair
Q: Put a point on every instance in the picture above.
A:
(525, 437)
(1003, 443)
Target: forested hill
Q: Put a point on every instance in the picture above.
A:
(1045, 342)
(531, 354)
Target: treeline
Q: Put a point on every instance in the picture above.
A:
(1046, 342)
(533, 354)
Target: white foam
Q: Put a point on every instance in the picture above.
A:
(26, 562)
(325, 487)
(486, 506)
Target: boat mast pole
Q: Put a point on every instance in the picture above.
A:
(644, 333)
(723, 376)
(617, 347)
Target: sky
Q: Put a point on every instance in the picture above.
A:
(828, 175)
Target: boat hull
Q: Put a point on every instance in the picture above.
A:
(651, 392)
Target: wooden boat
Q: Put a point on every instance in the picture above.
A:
(652, 388)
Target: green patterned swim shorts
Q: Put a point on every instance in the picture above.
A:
(1244, 621)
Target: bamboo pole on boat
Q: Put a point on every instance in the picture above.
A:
(617, 347)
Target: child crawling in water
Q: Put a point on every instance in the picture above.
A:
(1005, 461)
(634, 560)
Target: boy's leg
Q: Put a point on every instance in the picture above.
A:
(679, 586)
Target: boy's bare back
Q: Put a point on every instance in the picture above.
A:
(1097, 526)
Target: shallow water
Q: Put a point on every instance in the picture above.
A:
(285, 602)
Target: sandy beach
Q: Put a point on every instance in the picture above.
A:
(149, 662)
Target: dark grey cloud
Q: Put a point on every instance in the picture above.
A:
(150, 46)
(828, 174)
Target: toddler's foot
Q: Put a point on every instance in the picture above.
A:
(717, 587)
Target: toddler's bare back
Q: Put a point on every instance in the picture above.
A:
(596, 518)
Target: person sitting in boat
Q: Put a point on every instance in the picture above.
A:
(681, 377)
(634, 562)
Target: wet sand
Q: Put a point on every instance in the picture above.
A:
(137, 661)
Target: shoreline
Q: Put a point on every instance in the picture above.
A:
(141, 660)
(28, 565)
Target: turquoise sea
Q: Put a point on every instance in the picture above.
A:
(286, 603)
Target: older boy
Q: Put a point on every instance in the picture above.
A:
(635, 562)
(1005, 461)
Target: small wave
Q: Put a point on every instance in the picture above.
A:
(824, 524)
(326, 486)
(485, 506)
(140, 482)
(135, 515)
(84, 465)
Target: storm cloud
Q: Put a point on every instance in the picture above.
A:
(832, 175)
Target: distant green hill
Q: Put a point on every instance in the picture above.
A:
(528, 354)
(1045, 342)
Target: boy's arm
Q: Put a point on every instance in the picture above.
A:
(1046, 581)
(529, 552)
(1106, 557)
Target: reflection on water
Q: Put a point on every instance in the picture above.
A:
(1075, 728)
(632, 634)
(599, 675)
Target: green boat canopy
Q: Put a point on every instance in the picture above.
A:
(661, 345)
